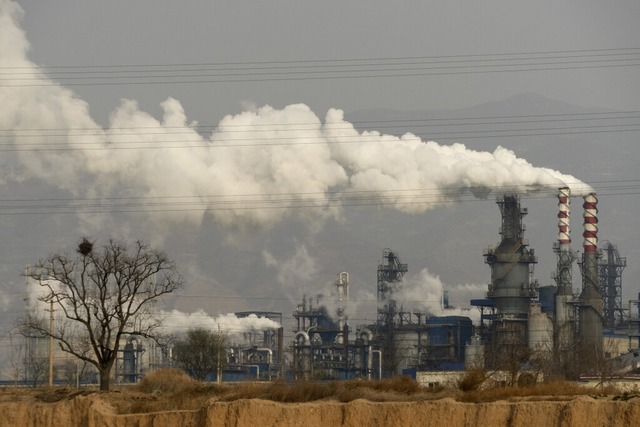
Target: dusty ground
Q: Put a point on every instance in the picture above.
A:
(68, 407)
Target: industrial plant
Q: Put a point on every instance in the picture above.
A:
(550, 329)
(558, 330)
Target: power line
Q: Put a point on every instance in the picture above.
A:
(218, 143)
(565, 56)
(301, 126)
(561, 53)
(294, 78)
(302, 71)
(327, 69)
(281, 201)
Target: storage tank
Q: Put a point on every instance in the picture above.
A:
(540, 330)
(474, 353)
(406, 348)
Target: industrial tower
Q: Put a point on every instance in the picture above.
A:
(564, 307)
(590, 303)
(390, 274)
(512, 288)
(610, 270)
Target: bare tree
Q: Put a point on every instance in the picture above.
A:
(200, 353)
(103, 296)
(36, 370)
(17, 360)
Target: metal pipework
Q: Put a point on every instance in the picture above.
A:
(367, 337)
(302, 338)
(379, 362)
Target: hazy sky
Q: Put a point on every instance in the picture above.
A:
(255, 201)
(64, 33)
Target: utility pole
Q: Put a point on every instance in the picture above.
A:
(219, 367)
(51, 346)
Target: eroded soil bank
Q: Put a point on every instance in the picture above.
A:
(94, 411)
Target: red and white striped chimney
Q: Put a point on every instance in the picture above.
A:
(591, 303)
(564, 201)
(590, 233)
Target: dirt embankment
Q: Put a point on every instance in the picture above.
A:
(92, 411)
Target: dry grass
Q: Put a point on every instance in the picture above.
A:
(543, 391)
(472, 380)
(167, 389)
(394, 389)
(171, 389)
(167, 380)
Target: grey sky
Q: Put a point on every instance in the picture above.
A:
(270, 267)
(169, 32)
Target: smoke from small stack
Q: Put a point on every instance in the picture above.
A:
(424, 293)
(178, 322)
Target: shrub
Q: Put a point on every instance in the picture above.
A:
(393, 389)
(167, 380)
(473, 379)
(402, 384)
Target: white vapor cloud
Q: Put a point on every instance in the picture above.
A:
(424, 293)
(294, 273)
(178, 322)
(255, 169)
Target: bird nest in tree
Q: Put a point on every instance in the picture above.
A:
(85, 247)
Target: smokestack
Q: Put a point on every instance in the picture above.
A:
(564, 201)
(591, 304)
(564, 329)
(590, 233)
(565, 257)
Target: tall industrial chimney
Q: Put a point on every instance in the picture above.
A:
(564, 329)
(591, 305)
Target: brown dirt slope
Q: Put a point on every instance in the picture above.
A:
(94, 411)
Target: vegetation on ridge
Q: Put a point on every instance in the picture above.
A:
(171, 389)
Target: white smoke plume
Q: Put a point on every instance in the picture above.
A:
(296, 273)
(255, 169)
(174, 321)
(177, 322)
(425, 292)
(34, 293)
